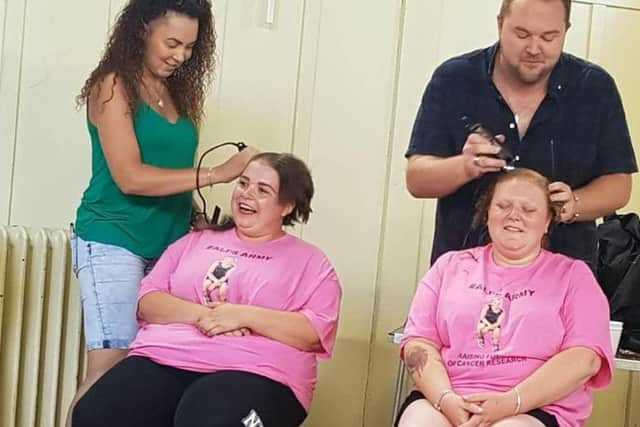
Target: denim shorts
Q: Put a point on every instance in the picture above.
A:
(109, 278)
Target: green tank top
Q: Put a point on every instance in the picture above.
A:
(144, 225)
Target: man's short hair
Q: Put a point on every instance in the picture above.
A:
(506, 5)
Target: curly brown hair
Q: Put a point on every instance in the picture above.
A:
(124, 55)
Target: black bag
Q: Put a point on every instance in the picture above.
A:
(618, 273)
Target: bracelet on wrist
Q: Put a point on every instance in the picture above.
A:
(438, 403)
(518, 401)
(209, 178)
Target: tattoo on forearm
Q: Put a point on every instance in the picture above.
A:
(416, 360)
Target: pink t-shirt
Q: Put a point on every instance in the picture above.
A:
(496, 325)
(284, 274)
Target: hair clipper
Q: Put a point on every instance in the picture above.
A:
(505, 152)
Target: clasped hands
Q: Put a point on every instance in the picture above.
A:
(223, 318)
(478, 409)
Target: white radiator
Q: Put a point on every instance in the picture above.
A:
(40, 327)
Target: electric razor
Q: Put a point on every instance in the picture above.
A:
(505, 152)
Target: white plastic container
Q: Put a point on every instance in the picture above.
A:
(615, 328)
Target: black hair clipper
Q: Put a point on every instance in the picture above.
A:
(505, 153)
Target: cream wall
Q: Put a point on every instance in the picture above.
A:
(336, 82)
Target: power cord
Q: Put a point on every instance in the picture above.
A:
(216, 211)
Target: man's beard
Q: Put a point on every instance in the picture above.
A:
(519, 73)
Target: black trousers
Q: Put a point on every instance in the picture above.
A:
(138, 392)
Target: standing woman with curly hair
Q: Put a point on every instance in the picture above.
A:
(144, 105)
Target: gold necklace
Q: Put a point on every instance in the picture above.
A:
(159, 101)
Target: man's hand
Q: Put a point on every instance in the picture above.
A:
(479, 154)
(564, 201)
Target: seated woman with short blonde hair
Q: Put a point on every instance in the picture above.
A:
(508, 334)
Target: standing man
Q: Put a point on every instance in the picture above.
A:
(561, 116)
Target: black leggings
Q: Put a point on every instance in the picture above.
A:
(544, 417)
(138, 392)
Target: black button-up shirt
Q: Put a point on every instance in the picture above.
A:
(578, 133)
